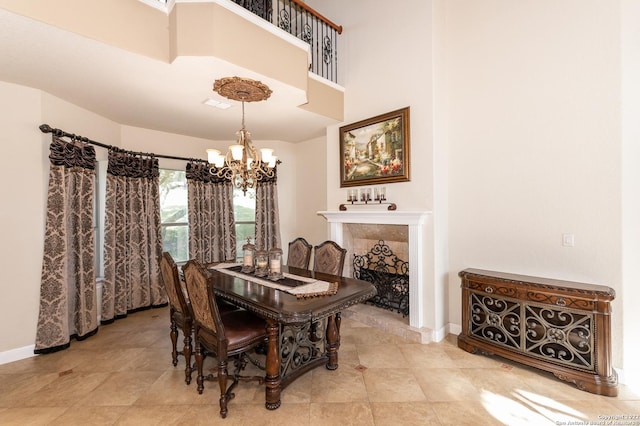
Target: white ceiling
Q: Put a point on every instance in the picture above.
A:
(138, 91)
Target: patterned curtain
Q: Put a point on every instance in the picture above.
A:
(267, 216)
(212, 230)
(132, 236)
(68, 303)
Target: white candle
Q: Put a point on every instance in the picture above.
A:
(261, 263)
(248, 259)
(274, 266)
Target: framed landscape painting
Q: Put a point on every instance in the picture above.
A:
(375, 150)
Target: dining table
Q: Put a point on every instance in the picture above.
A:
(303, 315)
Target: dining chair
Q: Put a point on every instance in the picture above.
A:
(329, 258)
(299, 253)
(224, 336)
(179, 312)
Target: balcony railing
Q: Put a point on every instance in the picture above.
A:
(305, 23)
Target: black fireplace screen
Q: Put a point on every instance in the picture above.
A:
(389, 274)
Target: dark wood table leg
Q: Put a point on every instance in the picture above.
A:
(333, 340)
(273, 379)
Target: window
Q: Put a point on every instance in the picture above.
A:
(174, 217)
(173, 214)
(244, 212)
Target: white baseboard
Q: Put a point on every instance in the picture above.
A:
(17, 354)
(454, 329)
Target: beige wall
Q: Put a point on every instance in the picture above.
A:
(630, 294)
(311, 190)
(22, 219)
(534, 125)
(24, 171)
(523, 143)
(21, 215)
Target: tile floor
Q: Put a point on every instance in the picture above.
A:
(123, 376)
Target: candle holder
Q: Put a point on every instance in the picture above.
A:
(262, 263)
(380, 194)
(248, 251)
(363, 196)
(275, 264)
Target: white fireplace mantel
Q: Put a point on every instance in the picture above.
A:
(415, 220)
(387, 217)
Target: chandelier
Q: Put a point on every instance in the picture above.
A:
(242, 164)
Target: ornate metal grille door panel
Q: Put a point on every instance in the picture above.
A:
(560, 336)
(559, 326)
(496, 320)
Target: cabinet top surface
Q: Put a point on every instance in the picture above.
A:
(538, 281)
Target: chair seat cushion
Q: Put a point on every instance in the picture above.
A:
(242, 329)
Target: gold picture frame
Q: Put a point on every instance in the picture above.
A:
(376, 150)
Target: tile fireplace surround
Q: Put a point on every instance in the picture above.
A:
(420, 303)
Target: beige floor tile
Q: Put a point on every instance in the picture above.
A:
(547, 384)
(404, 413)
(66, 390)
(372, 336)
(446, 384)
(15, 389)
(108, 360)
(341, 385)
(470, 414)
(49, 363)
(96, 416)
(628, 393)
(349, 323)
(170, 388)
(347, 358)
(624, 406)
(148, 415)
(371, 356)
(124, 375)
(297, 392)
(201, 415)
(502, 381)
(426, 356)
(392, 385)
(464, 359)
(351, 413)
(286, 415)
(120, 388)
(32, 416)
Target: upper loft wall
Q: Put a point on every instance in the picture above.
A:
(114, 22)
(235, 35)
(208, 29)
(215, 28)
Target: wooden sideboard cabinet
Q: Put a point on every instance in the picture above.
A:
(558, 326)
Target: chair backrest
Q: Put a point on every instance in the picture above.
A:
(202, 298)
(299, 253)
(329, 258)
(171, 280)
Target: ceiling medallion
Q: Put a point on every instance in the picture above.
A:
(242, 89)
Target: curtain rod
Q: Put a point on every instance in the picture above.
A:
(45, 128)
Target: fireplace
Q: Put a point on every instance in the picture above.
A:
(410, 223)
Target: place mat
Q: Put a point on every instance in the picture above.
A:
(301, 287)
